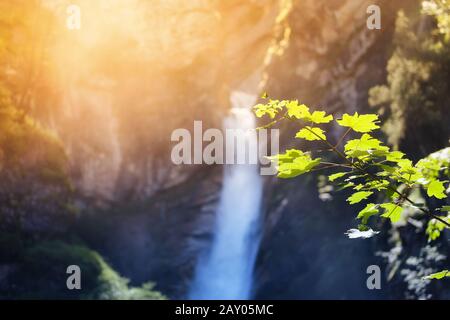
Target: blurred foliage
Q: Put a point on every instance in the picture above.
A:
(35, 189)
(39, 272)
(415, 99)
(435, 165)
(440, 10)
(26, 33)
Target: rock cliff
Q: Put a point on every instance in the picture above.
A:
(150, 218)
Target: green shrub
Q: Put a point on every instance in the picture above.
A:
(41, 274)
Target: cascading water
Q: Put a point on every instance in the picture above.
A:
(227, 271)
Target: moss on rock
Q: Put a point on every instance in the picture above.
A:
(40, 273)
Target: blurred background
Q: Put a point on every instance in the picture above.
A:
(86, 117)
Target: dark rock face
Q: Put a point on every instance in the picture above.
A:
(159, 239)
(333, 58)
(305, 254)
(132, 102)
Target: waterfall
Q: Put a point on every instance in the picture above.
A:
(226, 272)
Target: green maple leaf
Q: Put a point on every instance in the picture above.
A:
(438, 275)
(370, 210)
(378, 185)
(294, 163)
(365, 146)
(435, 228)
(406, 172)
(406, 166)
(296, 110)
(319, 117)
(360, 123)
(394, 156)
(336, 176)
(436, 189)
(271, 108)
(392, 211)
(359, 196)
(311, 134)
(301, 111)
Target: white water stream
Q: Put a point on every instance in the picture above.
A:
(226, 272)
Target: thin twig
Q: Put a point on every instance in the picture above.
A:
(342, 138)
